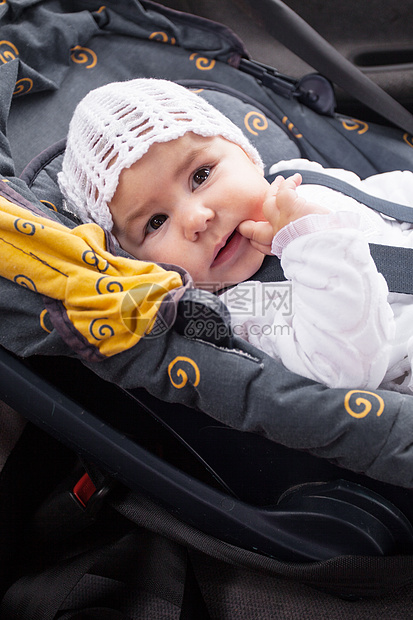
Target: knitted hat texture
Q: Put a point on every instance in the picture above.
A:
(115, 125)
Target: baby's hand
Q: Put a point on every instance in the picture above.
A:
(283, 205)
(259, 233)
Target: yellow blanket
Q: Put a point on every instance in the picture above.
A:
(112, 301)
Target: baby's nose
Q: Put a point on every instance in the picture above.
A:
(195, 220)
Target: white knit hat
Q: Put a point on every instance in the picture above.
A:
(114, 126)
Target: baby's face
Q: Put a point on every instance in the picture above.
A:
(181, 204)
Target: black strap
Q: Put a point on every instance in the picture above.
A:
(193, 603)
(298, 36)
(394, 263)
(168, 574)
(39, 596)
(399, 212)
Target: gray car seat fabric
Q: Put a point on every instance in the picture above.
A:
(271, 400)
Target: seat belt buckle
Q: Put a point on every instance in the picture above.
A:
(88, 496)
(71, 509)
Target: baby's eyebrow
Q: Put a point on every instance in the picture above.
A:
(189, 159)
(140, 213)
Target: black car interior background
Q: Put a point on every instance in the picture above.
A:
(375, 36)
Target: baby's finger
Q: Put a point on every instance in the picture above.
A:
(264, 249)
(276, 184)
(247, 228)
(292, 182)
(280, 184)
(256, 231)
(260, 234)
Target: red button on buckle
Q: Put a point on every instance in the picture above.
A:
(84, 489)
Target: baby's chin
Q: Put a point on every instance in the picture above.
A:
(251, 269)
(241, 275)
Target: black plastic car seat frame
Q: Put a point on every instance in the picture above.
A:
(310, 523)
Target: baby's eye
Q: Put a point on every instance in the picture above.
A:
(200, 176)
(155, 222)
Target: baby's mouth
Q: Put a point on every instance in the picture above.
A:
(226, 250)
(226, 243)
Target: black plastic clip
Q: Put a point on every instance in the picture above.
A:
(70, 509)
(317, 92)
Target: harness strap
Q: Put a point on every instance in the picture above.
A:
(394, 263)
(386, 207)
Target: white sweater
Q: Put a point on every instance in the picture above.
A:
(334, 321)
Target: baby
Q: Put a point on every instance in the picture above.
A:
(176, 182)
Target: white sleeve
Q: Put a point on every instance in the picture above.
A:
(395, 186)
(338, 325)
